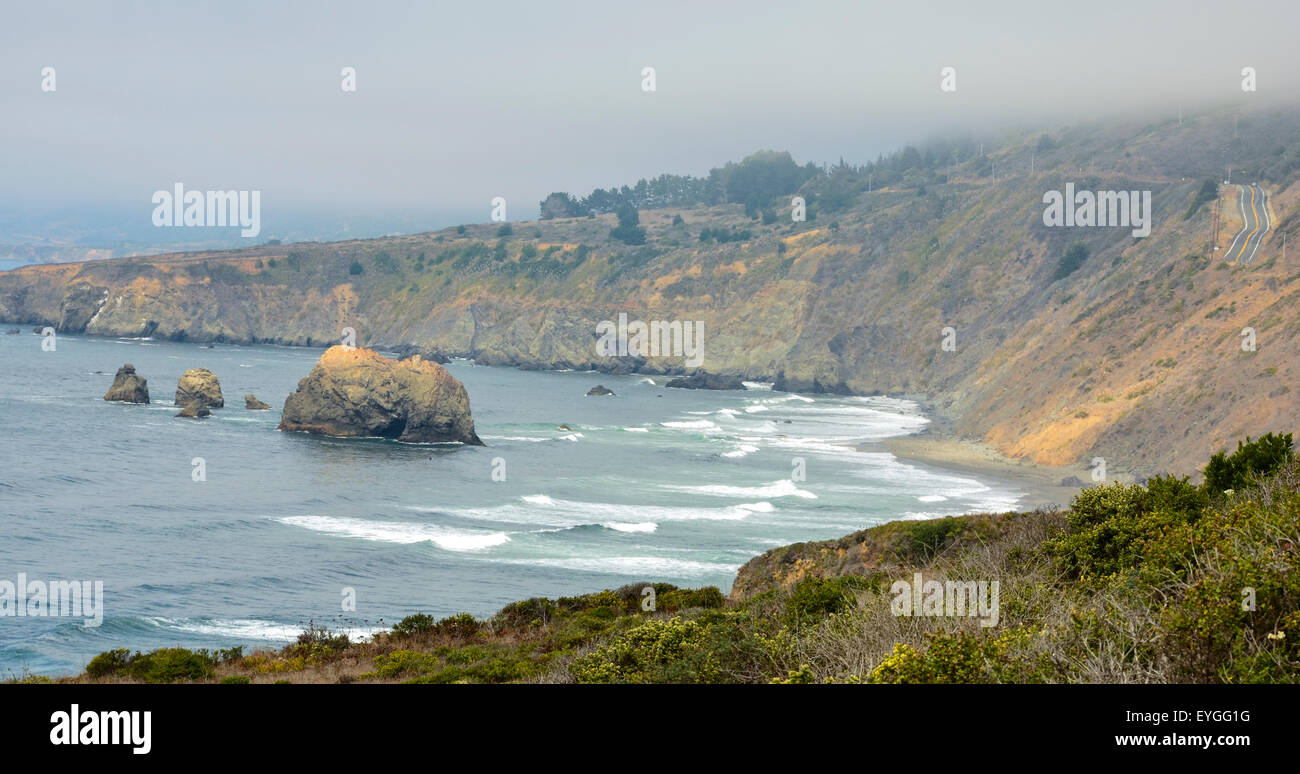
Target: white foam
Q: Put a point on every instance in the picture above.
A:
(636, 429)
(692, 424)
(240, 628)
(781, 488)
(554, 512)
(655, 566)
(399, 532)
(741, 452)
(619, 526)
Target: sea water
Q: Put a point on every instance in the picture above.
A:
(650, 485)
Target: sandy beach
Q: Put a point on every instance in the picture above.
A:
(1041, 483)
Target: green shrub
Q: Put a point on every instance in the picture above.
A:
(964, 658)
(165, 665)
(110, 662)
(639, 655)
(461, 625)
(1230, 594)
(1108, 527)
(234, 680)
(404, 662)
(317, 642)
(680, 599)
(1071, 261)
(418, 623)
(1251, 460)
(815, 598)
(926, 538)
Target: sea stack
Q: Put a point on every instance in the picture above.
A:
(128, 386)
(199, 385)
(195, 410)
(251, 402)
(357, 393)
(703, 381)
(600, 389)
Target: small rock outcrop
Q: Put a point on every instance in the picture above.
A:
(251, 402)
(195, 410)
(355, 393)
(199, 385)
(128, 386)
(700, 381)
(600, 389)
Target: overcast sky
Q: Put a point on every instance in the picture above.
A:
(459, 102)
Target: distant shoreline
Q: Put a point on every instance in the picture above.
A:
(1042, 483)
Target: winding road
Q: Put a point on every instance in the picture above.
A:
(1254, 214)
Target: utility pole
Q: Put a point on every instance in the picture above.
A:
(1214, 241)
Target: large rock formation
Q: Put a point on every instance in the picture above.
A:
(194, 410)
(251, 402)
(702, 381)
(600, 389)
(354, 392)
(199, 385)
(128, 386)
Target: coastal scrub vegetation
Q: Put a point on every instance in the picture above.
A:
(1166, 581)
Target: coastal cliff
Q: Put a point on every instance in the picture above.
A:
(949, 287)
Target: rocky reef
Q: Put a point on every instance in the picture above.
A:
(354, 393)
(702, 381)
(251, 402)
(194, 410)
(199, 385)
(128, 386)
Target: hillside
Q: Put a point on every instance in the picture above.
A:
(1133, 356)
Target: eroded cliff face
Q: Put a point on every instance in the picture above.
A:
(1135, 357)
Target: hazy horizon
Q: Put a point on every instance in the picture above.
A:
(454, 106)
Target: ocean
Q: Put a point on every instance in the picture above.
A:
(572, 494)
